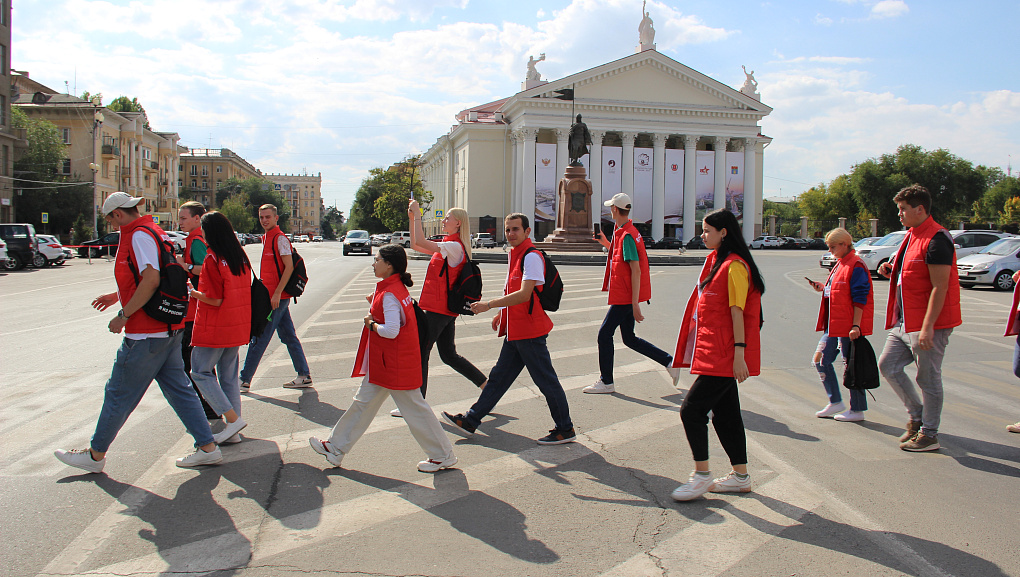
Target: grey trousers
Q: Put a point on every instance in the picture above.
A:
(901, 349)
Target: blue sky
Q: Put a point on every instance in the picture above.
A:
(339, 87)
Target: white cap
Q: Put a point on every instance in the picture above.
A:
(621, 200)
(120, 200)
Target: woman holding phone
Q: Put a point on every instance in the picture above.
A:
(846, 313)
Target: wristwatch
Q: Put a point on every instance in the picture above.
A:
(191, 267)
(121, 314)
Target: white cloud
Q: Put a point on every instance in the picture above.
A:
(889, 9)
(823, 20)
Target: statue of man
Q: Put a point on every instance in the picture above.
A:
(532, 72)
(750, 84)
(646, 33)
(578, 141)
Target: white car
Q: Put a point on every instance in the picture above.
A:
(483, 240)
(972, 241)
(50, 247)
(882, 250)
(828, 261)
(767, 242)
(179, 239)
(401, 237)
(3, 250)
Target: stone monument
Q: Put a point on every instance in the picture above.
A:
(646, 32)
(573, 213)
(750, 87)
(533, 78)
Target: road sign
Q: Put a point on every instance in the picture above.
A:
(439, 214)
(155, 219)
(45, 218)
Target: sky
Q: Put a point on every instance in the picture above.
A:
(338, 87)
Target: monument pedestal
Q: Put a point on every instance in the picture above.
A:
(573, 231)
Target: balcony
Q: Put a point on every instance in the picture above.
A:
(110, 150)
(150, 166)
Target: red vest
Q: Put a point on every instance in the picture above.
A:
(228, 325)
(515, 322)
(617, 279)
(705, 343)
(392, 363)
(268, 269)
(836, 313)
(192, 303)
(126, 286)
(433, 290)
(917, 285)
(1012, 326)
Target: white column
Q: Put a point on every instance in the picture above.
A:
(595, 174)
(750, 188)
(627, 166)
(515, 178)
(690, 171)
(562, 152)
(658, 185)
(720, 172)
(528, 190)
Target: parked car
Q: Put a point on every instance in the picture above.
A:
(380, 239)
(994, 265)
(180, 239)
(437, 237)
(51, 249)
(696, 243)
(972, 241)
(402, 237)
(3, 250)
(357, 241)
(22, 246)
(766, 242)
(881, 250)
(105, 245)
(317, 238)
(483, 240)
(243, 240)
(828, 261)
(668, 242)
(790, 242)
(816, 244)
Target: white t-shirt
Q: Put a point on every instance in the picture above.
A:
(146, 253)
(534, 268)
(452, 252)
(393, 319)
(282, 245)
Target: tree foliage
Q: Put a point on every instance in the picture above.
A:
(993, 201)
(124, 104)
(250, 194)
(46, 149)
(238, 214)
(332, 223)
(380, 205)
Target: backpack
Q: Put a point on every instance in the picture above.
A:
(261, 304)
(169, 304)
(550, 293)
(423, 327)
(861, 366)
(466, 288)
(295, 286)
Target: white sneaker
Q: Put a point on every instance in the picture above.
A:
(200, 457)
(229, 431)
(599, 388)
(731, 484)
(830, 410)
(431, 465)
(696, 486)
(396, 413)
(850, 416)
(301, 382)
(245, 387)
(325, 448)
(81, 458)
(674, 372)
(231, 441)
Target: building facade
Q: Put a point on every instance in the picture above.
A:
(678, 142)
(203, 170)
(12, 141)
(304, 194)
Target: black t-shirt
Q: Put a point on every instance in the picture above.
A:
(940, 249)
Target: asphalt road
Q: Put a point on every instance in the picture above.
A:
(830, 498)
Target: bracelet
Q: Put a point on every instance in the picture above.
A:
(858, 327)
(740, 345)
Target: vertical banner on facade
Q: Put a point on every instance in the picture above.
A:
(612, 179)
(545, 182)
(642, 211)
(704, 184)
(674, 209)
(735, 183)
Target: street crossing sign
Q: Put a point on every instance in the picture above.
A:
(45, 218)
(439, 214)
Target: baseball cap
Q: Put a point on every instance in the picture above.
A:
(120, 200)
(621, 200)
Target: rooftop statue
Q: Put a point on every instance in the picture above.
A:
(532, 72)
(646, 32)
(750, 86)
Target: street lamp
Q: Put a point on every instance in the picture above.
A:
(97, 122)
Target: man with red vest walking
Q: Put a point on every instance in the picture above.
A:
(190, 218)
(525, 326)
(629, 283)
(149, 351)
(277, 266)
(923, 308)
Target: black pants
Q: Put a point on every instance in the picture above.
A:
(186, 353)
(718, 395)
(441, 334)
(622, 316)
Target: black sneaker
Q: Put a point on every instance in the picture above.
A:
(460, 423)
(558, 437)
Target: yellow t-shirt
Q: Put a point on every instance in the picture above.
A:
(739, 284)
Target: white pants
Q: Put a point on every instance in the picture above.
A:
(417, 414)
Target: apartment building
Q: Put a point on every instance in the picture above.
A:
(203, 170)
(12, 141)
(304, 194)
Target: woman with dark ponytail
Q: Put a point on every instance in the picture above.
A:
(720, 342)
(389, 359)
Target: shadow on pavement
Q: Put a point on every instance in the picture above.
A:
(308, 406)
(765, 424)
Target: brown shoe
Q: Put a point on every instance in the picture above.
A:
(913, 427)
(921, 442)
(1014, 428)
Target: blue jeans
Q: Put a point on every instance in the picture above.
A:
(829, 346)
(622, 316)
(513, 357)
(138, 363)
(225, 394)
(1016, 357)
(281, 324)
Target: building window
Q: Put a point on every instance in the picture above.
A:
(66, 168)
(65, 135)
(194, 171)
(219, 169)
(194, 183)
(3, 12)
(180, 168)
(205, 171)
(4, 160)
(205, 185)
(3, 60)
(106, 170)
(180, 183)
(3, 110)
(146, 154)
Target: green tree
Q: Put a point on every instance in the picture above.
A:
(250, 194)
(240, 217)
(124, 104)
(46, 150)
(82, 230)
(381, 202)
(1010, 214)
(991, 203)
(96, 98)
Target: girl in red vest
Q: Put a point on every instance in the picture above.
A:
(222, 323)
(720, 341)
(389, 359)
(1013, 328)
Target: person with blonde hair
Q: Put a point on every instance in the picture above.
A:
(846, 313)
(448, 258)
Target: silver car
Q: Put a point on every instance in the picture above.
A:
(994, 265)
(828, 261)
(882, 250)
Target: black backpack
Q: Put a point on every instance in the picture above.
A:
(299, 278)
(466, 288)
(550, 293)
(423, 326)
(169, 304)
(861, 366)
(261, 304)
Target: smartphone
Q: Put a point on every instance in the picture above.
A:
(595, 231)
(811, 282)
